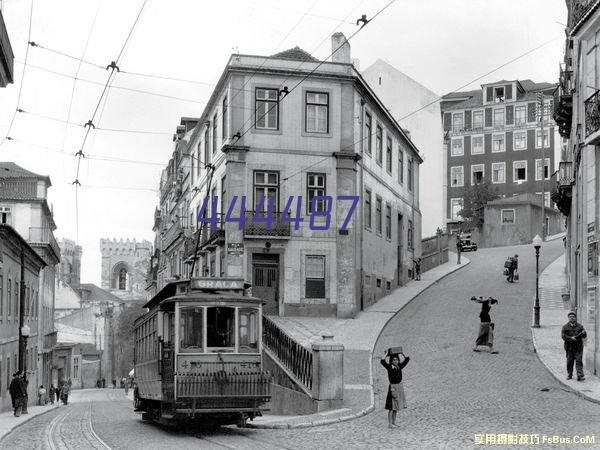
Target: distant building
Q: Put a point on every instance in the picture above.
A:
(124, 267)
(76, 357)
(13, 248)
(70, 262)
(416, 109)
(494, 133)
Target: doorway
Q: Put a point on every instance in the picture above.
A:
(399, 251)
(265, 281)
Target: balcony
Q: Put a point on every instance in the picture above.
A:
(39, 236)
(260, 228)
(6, 56)
(563, 103)
(592, 115)
(211, 238)
(561, 192)
(172, 234)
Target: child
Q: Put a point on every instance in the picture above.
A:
(395, 397)
(42, 396)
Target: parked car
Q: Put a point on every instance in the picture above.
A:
(466, 244)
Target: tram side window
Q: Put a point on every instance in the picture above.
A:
(191, 330)
(248, 327)
(221, 327)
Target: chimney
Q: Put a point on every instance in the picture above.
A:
(338, 40)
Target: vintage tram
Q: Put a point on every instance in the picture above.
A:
(198, 355)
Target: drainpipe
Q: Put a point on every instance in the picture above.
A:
(361, 206)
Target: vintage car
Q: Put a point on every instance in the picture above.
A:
(466, 244)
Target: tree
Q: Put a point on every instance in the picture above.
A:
(475, 199)
(124, 340)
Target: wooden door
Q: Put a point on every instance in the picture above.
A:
(265, 282)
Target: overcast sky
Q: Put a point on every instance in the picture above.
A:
(443, 44)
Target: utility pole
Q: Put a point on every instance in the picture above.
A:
(541, 108)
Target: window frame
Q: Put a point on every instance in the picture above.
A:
(503, 135)
(322, 205)
(268, 101)
(519, 132)
(368, 209)
(514, 216)
(388, 221)
(379, 144)
(215, 126)
(478, 136)
(461, 203)
(539, 160)
(317, 105)
(378, 215)
(460, 115)
(265, 185)
(462, 175)
(369, 132)
(503, 165)
(515, 168)
(496, 97)
(462, 146)
(389, 154)
(499, 125)
(224, 119)
(400, 165)
(473, 166)
(478, 112)
(538, 140)
(307, 278)
(524, 109)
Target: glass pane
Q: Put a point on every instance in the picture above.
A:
(248, 336)
(315, 267)
(272, 178)
(191, 330)
(311, 117)
(220, 327)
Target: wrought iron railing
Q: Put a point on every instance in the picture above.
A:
(295, 357)
(223, 384)
(592, 114)
(256, 224)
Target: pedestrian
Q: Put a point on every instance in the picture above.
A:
(485, 336)
(57, 392)
(513, 268)
(18, 393)
(126, 385)
(417, 263)
(395, 397)
(64, 393)
(42, 396)
(52, 393)
(573, 334)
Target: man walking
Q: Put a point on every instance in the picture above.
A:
(573, 334)
(512, 269)
(18, 393)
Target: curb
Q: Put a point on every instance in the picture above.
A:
(371, 407)
(557, 378)
(25, 421)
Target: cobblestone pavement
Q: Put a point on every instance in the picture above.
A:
(454, 394)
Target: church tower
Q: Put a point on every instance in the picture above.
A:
(124, 267)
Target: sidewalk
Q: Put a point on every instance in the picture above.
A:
(9, 422)
(358, 336)
(547, 340)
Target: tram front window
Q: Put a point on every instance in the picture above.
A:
(220, 322)
(248, 330)
(191, 330)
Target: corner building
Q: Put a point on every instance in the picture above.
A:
(495, 134)
(331, 136)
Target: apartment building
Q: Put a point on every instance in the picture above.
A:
(281, 127)
(499, 133)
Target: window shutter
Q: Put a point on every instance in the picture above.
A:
(488, 117)
(508, 91)
(447, 121)
(490, 94)
(467, 145)
(531, 112)
(510, 114)
(508, 141)
(530, 139)
(487, 143)
(468, 120)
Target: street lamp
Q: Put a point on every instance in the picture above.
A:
(537, 243)
(25, 331)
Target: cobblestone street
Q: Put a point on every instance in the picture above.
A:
(453, 393)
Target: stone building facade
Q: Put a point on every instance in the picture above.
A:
(124, 267)
(70, 262)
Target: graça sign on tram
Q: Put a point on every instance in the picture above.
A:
(216, 283)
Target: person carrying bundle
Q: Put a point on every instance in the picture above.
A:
(486, 327)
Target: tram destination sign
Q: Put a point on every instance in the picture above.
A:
(216, 283)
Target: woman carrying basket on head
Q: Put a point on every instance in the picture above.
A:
(395, 397)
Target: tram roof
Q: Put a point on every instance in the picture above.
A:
(209, 288)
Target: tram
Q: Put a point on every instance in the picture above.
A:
(198, 354)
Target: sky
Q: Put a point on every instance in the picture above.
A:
(443, 44)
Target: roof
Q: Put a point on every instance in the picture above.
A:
(97, 294)
(67, 334)
(9, 169)
(295, 53)
(14, 239)
(527, 198)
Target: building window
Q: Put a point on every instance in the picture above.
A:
(520, 115)
(498, 172)
(477, 120)
(538, 169)
(457, 122)
(267, 109)
(457, 176)
(388, 154)
(409, 167)
(207, 147)
(315, 186)
(388, 221)
(317, 112)
(499, 117)
(214, 134)
(368, 209)
(76, 367)
(5, 215)
(225, 120)
(266, 184)
(457, 146)
(400, 166)
(538, 138)
(519, 171)
(378, 282)
(409, 238)
(368, 131)
(456, 206)
(315, 276)
(546, 199)
(378, 218)
(499, 94)
(507, 216)
(379, 143)
(520, 140)
(497, 143)
(122, 279)
(477, 145)
(477, 173)
(388, 285)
